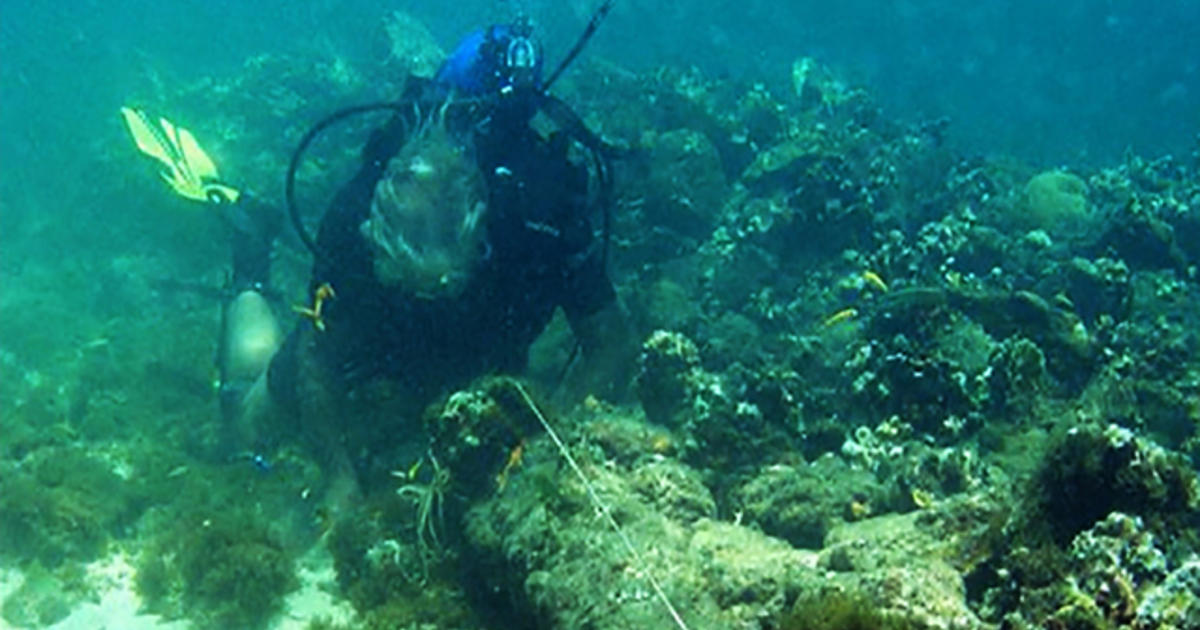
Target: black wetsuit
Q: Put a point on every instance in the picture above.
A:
(541, 254)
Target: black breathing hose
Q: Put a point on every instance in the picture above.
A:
(298, 154)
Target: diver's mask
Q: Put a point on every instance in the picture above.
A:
(517, 57)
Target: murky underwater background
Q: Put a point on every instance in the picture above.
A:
(916, 282)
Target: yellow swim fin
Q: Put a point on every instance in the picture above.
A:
(188, 169)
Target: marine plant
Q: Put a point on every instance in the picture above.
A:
(375, 562)
(224, 570)
(386, 579)
(429, 499)
(62, 504)
(325, 623)
(350, 543)
(41, 600)
(840, 610)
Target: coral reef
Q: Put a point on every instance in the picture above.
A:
(1090, 471)
(1109, 515)
(669, 377)
(884, 384)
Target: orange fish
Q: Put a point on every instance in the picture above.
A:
(323, 292)
(514, 460)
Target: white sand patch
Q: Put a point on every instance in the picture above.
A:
(314, 599)
(118, 604)
(10, 581)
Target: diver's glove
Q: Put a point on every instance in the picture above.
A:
(187, 168)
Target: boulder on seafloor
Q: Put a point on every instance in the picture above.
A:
(801, 503)
(541, 550)
(902, 563)
(542, 553)
(1092, 470)
(682, 186)
(413, 46)
(668, 376)
(1055, 201)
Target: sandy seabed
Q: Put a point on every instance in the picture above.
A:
(116, 605)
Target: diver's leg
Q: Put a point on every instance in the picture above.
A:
(610, 350)
(250, 335)
(256, 410)
(273, 387)
(306, 403)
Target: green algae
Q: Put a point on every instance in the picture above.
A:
(63, 505)
(41, 600)
(389, 579)
(227, 570)
(839, 610)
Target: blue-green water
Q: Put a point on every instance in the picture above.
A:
(911, 287)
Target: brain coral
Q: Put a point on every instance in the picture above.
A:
(1055, 200)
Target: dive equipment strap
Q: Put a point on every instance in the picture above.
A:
(298, 155)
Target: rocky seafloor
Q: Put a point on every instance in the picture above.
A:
(884, 384)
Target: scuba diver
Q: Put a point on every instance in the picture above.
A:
(444, 257)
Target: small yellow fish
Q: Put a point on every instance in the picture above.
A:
(843, 315)
(411, 473)
(414, 469)
(922, 499)
(875, 280)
